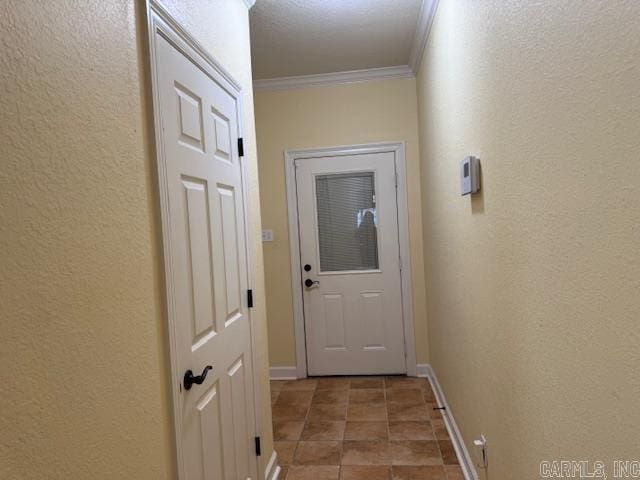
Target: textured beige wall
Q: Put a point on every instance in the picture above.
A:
(84, 369)
(323, 117)
(533, 286)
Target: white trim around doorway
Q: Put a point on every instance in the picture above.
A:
(398, 149)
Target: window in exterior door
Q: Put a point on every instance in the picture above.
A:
(347, 221)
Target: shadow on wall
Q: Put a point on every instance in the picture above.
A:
(477, 199)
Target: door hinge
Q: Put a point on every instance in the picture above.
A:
(258, 446)
(250, 298)
(240, 147)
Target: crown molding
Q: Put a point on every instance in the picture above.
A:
(335, 78)
(249, 3)
(423, 28)
(425, 20)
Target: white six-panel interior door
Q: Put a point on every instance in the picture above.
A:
(205, 244)
(350, 264)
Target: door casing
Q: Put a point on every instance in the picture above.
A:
(160, 21)
(398, 149)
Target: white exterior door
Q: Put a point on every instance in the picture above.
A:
(349, 254)
(206, 261)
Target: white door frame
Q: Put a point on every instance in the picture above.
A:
(161, 22)
(398, 149)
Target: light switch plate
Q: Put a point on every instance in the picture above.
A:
(267, 235)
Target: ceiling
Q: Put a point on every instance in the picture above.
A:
(306, 37)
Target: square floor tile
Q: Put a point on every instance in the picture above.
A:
(285, 451)
(318, 453)
(405, 382)
(402, 413)
(407, 396)
(362, 412)
(428, 394)
(412, 452)
(302, 384)
(289, 412)
(454, 472)
(449, 456)
(439, 430)
(365, 453)
(321, 411)
(433, 411)
(419, 473)
(366, 395)
(276, 385)
(365, 472)
(312, 472)
(333, 383)
(366, 431)
(410, 430)
(331, 396)
(295, 397)
(373, 382)
(323, 430)
(287, 430)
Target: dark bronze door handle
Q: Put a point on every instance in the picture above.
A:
(189, 379)
(309, 283)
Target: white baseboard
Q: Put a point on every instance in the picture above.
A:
(272, 472)
(466, 463)
(422, 370)
(283, 373)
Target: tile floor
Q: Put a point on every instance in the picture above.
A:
(357, 428)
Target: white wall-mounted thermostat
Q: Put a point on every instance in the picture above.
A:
(469, 175)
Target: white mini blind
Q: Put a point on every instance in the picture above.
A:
(347, 222)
